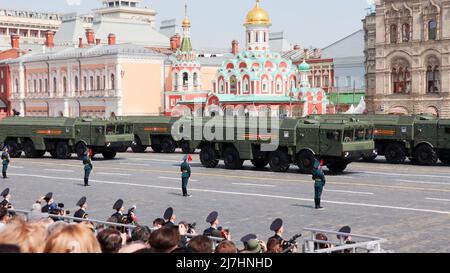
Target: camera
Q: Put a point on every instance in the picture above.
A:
(191, 227)
(131, 216)
(291, 242)
(59, 210)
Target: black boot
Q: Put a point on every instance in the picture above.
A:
(184, 191)
(86, 182)
(4, 175)
(318, 204)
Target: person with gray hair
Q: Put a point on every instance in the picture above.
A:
(36, 215)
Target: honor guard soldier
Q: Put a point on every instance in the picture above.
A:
(50, 204)
(213, 220)
(277, 227)
(87, 162)
(319, 182)
(185, 174)
(81, 213)
(118, 207)
(169, 217)
(6, 202)
(5, 161)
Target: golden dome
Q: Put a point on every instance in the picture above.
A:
(186, 22)
(257, 16)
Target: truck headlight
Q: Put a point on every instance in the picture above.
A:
(375, 152)
(108, 144)
(346, 154)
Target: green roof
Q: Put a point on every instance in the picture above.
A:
(186, 45)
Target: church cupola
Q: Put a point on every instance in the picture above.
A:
(257, 26)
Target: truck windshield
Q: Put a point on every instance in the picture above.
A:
(128, 129)
(348, 135)
(369, 134)
(110, 130)
(120, 129)
(360, 134)
(334, 135)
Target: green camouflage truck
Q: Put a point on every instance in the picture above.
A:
(63, 136)
(155, 132)
(422, 138)
(298, 141)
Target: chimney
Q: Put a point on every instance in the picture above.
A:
(90, 36)
(111, 39)
(80, 43)
(15, 44)
(173, 43)
(235, 47)
(178, 39)
(49, 39)
(97, 41)
(297, 47)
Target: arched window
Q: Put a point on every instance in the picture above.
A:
(185, 79)
(249, 38)
(113, 82)
(85, 83)
(17, 86)
(91, 83)
(406, 32)
(195, 79)
(432, 30)
(246, 86)
(265, 86)
(293, 83)
(394, 34)
(257, 37)
(104, 82)
(433, 79)
(76, 84)
(265, 37)
(40, 85)
(54, 85)
(64, 86)
(221, 87)
(99, 87)
(175, 80)
(35, 86)
(279, 85)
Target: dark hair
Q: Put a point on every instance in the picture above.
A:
(110, 240)
(145, 250)
(274, 246)
(201, 244)
(164, 239)
(141, 233)
(3, 213)
(159, 221)
(226, 247)
(9, 248)
(321, 237)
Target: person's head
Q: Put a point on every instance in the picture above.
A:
(213, 219)
(55, 226)
(8, 248)
(321, 237)
(165, 239)
(6, 149)
(73, 238)
(254, 246)
(345, 238)
(141, 234)
(158, 223)
(277, 226)
(274, 246)
(29, 237)
(201, 244)
(133, 247)
(4, 216)
(110, 240)
(226, 247)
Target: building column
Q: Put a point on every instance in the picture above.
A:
(119, 93)
(66, 108)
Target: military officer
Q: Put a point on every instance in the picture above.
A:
(213, 220)
(169, 217)
(81, 213)
(319, 182)
(5, 161)
(185, 174)
(277, 227)
(121, 218)
(87, 167)
(50, 204)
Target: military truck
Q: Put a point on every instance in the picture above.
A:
(299, 141)
(34, 136)
(421, 138)
(155, 132)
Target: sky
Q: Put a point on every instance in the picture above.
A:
(215, 23)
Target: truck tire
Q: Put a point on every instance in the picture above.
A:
(260, 163)
(395, 153)
(208, 157)
(232, 159)
(305, 161)
(62, 150)
(137, 146)
(53, 154)
(279, 161)
(15, 152)
(186, 148)
(445, 159)
(29, 150)
(156, 148)
(337, 167)
(425, 155)
(109, 153)
(168, 145)
(80, 149)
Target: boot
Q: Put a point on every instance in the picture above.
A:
(4, 175)
(184, 191)
(86, 182)
(318, 204)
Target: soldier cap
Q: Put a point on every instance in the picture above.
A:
(82, 201)
(118, 205)
(49, 195)
(276, 225)
(248, 237)
(168, 213)
(212, 217)
(344, 229)
(5, 192)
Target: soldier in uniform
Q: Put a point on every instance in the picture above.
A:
(277, 227)
(81, 213)
(50, 204)
(185, 174)
(169, 217)
(319, 182)
(6, 202)
(5, 161)
(87, 167)
(213, 220)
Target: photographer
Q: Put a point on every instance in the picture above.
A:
(51, 207)
(185, 228)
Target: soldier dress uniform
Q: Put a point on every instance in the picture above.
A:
(87, 167)
(81, 213)
(185, 174)
(168, 217)
(212, 220)
(121, 218)
(276, 227)
(5, 161)
(50, 206)
(319, 182)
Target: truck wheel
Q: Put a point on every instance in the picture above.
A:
(369, 158)
(232, 159)
(186, 148)
(305, 161)
(137, 146)
(337, 167)
(62, 150)
(445, 159)
(279, 161)
(53, 154)
(15, 152)
(425, 155)
(168, 145)
(156, 148)
(109, 153)
(395, 153)
(208, 157)
(29, 149)
(80, 149)
(260, 163)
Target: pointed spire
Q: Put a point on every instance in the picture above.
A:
(186, 21)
